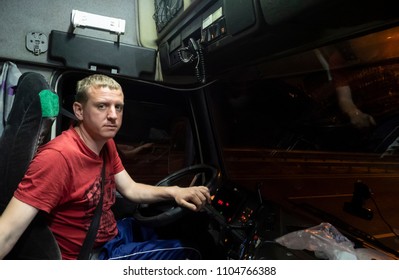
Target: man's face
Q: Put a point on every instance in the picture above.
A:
(102, 114)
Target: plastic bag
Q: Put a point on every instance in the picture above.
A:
(324, 240)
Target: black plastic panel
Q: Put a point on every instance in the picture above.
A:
(89, 53)
(277, 12)
(239, 15)
(218, 25)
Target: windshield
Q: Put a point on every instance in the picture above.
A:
(319, 130)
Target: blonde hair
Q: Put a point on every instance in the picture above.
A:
(95, 81)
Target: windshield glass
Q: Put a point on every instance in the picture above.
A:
(312, 128)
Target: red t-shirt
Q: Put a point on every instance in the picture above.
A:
(63, 180)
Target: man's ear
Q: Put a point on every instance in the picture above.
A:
(78, 110)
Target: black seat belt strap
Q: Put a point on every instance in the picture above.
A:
(92, 232)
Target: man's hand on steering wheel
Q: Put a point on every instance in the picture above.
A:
(193, 198)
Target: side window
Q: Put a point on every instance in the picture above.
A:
(155, 139)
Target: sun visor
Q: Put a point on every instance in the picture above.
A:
(88, 53)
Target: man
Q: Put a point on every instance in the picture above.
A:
(64, 178)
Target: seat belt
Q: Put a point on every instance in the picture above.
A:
(68, 114)
(88, 243)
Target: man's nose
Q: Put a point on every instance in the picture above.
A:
(112, 113)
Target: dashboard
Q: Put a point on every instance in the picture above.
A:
(248, 226)
(252, 228)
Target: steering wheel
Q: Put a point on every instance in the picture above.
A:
(164, 213)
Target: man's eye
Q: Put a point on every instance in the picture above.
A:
(119, 108)
(101, 106)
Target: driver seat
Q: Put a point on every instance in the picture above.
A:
(28, 126)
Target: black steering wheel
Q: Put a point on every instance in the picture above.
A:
(164, 213)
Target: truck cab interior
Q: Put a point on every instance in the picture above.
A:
(286, 110)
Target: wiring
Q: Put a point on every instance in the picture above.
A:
(383, 218)
(193, 53)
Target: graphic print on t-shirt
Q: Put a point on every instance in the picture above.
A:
(92, 197)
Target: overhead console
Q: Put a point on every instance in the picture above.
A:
(206, 26)
(210, 37)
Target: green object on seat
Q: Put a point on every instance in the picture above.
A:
(49, 102)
